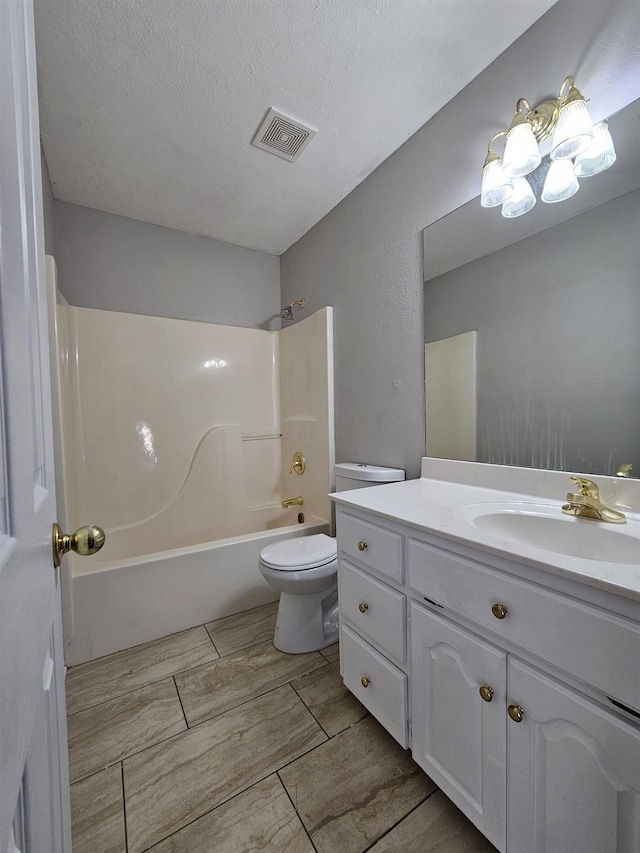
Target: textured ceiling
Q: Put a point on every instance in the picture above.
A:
(148, 107)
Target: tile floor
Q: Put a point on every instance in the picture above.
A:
(211, 741)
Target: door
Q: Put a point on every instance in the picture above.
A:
(34, 812)
(458, 687)
(574, 771)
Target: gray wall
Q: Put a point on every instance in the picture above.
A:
(47, 205)
(365, 257)
(120, 264)
(557, 317)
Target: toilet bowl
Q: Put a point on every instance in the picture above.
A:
(304, 570)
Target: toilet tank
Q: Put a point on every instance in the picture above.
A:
(355, 475)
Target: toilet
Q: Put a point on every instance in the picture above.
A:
(305, 572)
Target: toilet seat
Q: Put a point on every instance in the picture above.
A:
(305, 552)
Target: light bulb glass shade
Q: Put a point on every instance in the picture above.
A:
(521, 153)
(560, 183)
(599, 155)
(495, 186)
(521, 199)
(573, 132)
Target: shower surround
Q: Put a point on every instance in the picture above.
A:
(177, 438)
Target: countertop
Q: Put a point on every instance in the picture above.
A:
(433, 506)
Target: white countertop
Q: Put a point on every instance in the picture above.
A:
(432, 505)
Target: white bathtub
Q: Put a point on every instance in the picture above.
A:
(115, 604)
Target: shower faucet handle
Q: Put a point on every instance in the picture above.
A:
(298, 464)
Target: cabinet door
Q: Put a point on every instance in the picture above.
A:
(573, 773)
(458, 737)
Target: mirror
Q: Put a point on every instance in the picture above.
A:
(551, 377)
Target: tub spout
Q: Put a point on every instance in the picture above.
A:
(292, 502)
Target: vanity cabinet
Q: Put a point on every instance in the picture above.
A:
(373, 620)
(573, 771)
(458, 688)
(521, 692)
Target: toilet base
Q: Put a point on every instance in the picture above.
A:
(307, 623)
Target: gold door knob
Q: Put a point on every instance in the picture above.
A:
(365, 681)
(85, 541)
(499, 611)
(516, 713)
(363, 607)
(362, 546)
(486, 692)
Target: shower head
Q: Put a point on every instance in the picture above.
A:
(286, 313)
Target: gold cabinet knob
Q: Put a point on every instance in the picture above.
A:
(499, 611)
(486, 692)
(85, 541)
(363, 607)
(516, 713)
(362, 546)
(365, 681)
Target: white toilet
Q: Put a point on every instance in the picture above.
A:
(304, 570)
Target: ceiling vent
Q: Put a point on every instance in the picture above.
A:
(283, 136)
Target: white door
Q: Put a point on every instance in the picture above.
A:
(34, 811)
(574, 771)
(458, 718)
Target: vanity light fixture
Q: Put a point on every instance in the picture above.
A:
(578, 149)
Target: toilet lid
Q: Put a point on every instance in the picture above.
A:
(305, 552)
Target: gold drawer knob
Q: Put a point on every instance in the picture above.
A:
(516, 713)
(362, 546)
(499, 611)
(486, 692)
(363, 607)
(365, 681)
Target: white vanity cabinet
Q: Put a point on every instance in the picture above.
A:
(458, 737)
(573, 771)
(373, 619)
(512, 678)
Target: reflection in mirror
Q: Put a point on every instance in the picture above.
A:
(554, 300)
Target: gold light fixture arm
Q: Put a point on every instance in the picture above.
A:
(543, 117)
(491, 154)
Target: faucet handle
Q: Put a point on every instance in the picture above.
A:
(624, 470)
(587, 488)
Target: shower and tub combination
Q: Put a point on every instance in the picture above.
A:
(177, 437)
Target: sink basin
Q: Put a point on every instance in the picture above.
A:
(545, 527)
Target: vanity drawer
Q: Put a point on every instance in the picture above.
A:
(371, 545)
(570, 634)
(374, 609)
(386, 692)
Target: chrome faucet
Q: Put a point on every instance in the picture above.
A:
(586, 503)
(292, 502)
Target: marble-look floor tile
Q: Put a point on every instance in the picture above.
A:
(102, 679)
(244, 629)
(331, 653)
(324, 694)
(97, 813)
(216, 687)
(436, 826)
(354, 788)
(106, 733)
(179, 780)
(260, 819)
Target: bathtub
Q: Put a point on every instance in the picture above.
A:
(177, 437)
(118, 603)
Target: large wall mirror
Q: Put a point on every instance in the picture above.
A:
(532, 326)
